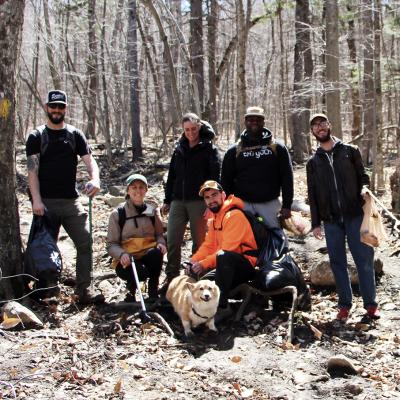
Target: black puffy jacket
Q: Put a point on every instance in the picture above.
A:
(190, 168)
(335, 180)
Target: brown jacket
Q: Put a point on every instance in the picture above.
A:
(145, 229)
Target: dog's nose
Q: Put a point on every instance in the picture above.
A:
(206, 296)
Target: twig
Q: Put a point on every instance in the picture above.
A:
(10, 385)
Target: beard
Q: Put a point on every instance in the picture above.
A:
(325, 138)
(55, 119)
(215, 208)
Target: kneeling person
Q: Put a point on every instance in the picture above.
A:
(223, 253)
(139, 235)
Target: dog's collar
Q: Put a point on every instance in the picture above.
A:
(196, 313)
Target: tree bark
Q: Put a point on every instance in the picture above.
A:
(92, 70)
(196, 51)
(12, 14)
(303, 68)
(137, 152)
(332, 83)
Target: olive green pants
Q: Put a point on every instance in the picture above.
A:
(180, 213)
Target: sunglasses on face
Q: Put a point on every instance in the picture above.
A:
(53, 106)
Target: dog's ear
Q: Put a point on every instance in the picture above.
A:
(190, 286)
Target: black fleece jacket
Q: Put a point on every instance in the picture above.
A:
(334, 181)
(257, 170)
(190, 168)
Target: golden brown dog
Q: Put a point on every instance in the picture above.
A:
(195, 302)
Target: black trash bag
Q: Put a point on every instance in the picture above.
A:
(42, 257)
(274, 247)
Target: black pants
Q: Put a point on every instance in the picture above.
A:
(148, 267)
(232, 270)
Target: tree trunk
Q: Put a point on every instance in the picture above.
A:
(354, 91)
(49, 48)
(196, 51)
(368, 81)
(12, 15)
(137, 152)
(303, 68)
(332, 67)
(211, 111)
(92, 70)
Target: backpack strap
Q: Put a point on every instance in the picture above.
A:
(122, 218)
(44, 137)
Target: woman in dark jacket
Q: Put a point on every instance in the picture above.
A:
(194, 161)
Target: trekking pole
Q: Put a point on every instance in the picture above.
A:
(143, 314)
(91, 241)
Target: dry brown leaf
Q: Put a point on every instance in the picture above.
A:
(360, 326)
(118, 386)
(236, 359)
(317, 333)
(237, 387)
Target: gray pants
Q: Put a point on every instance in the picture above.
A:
(70, 214)
(268, 210)
(180, 213)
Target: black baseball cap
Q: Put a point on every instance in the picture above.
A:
(56, 97)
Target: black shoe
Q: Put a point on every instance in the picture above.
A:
(90, 296)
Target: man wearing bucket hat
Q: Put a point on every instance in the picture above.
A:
(223, 254)
(335, 180)
(135, 231)
(52, 152)
(257, 169)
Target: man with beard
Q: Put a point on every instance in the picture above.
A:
(223, 254)
(52, 151)
(335, 179)
(257, 169)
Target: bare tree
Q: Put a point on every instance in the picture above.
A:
(332, 83)
(137, 152)
(11, 21)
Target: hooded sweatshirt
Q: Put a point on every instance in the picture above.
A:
(258, 170)
(228, 230)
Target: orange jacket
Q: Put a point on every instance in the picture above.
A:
(228, 230)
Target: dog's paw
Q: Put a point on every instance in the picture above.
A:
(188, 335)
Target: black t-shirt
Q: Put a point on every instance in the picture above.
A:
(57, 168)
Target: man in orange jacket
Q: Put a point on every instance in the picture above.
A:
(223, 253)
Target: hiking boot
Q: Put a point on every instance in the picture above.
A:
(90, 295)
(343, 314)
(373, 312)
(130, 298)
(223, 313)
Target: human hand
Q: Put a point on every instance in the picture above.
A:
(365, 193)
(285, 213)
(125, 260)
(38, 207)
(92, 187)
(317, 233)
(165, 209)
(197, 268)
(162, 248)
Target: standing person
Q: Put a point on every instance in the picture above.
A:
(136, 231)
(194, 161)
(52, 151)
(257, 169)
(335, 177)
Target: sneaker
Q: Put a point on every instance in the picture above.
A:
(373, 312)
(223, 313)
(90, 296)
(343, 314)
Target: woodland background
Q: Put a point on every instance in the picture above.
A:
(131, 68)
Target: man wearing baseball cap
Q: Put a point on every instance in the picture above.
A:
(258, 170)
(335, 180)
(222, 256)
(52, 152)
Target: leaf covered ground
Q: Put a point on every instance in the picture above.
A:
(107, 352)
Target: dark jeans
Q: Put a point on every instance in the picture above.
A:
(148, 267)
(363, 256)
(232, 270)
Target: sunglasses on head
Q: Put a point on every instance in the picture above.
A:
(56, 105)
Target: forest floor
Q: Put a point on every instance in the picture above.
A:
(106, 352)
